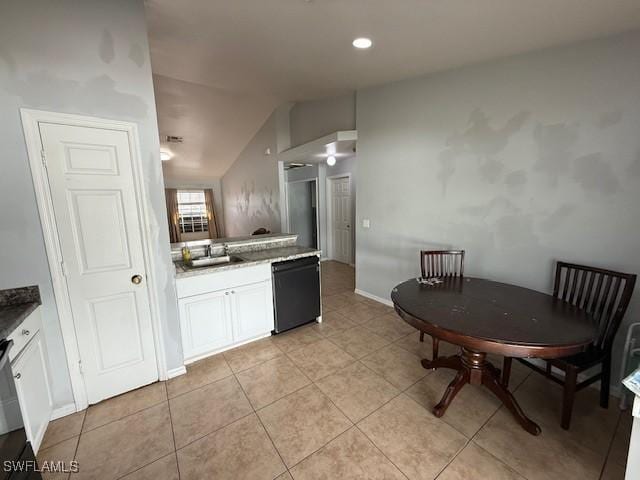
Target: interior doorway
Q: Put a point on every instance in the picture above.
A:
(340, 218)
(302, 208)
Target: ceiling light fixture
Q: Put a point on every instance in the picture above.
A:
(165, 155)
(362, 43)
(331, 160)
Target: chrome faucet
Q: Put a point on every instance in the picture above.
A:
(226, 249)
(207, 250)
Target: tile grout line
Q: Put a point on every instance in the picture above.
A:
(255, 412)
(488, 420)
(613, 437)
(75, 453)
(355, 424)
(471, 440)
(124, 416)
(173, 433)
(162, 456)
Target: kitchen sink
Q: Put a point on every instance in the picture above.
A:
(210, 261)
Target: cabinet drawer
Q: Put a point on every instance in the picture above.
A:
(210, 282)
(25, 332)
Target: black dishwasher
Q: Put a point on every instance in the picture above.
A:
(296, 292)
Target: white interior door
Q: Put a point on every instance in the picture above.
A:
(341, 219)
(94, 200)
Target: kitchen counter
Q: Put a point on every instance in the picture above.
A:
(16, 304)
(267, 255)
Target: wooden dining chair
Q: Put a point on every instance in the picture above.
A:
(440, 263)
(604, 294)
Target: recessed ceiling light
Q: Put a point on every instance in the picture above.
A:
(331, 161)
(165, 155)
(362, 43)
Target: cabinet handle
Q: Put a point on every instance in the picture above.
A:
(226, 293)
(26, 332)
(17, 376)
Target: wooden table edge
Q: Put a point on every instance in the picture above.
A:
(491, 346)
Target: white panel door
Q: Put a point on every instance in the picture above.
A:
(341, 219)
(253, 311)
(91, 181)
(32, 387)
(205, 323)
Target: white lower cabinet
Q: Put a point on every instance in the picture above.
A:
(252, 310)
(206, 323)
(29, 369)
(216, 320)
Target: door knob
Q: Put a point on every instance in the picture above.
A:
(136, 279)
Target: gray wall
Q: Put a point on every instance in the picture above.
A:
(316, 118)
(89, 58)
(250, 190)
(520, 162)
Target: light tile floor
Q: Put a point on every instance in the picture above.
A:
(343, 399)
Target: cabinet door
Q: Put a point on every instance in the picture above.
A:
(253, 311)
(205, 322)
(32, 385)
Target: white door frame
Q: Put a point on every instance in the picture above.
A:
(286, 196)
(330, 250)
(30, 121)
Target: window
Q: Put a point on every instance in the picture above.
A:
(192, 211)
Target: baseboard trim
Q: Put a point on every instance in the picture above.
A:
(63, 411)
(202, 356)
(376, 298)
(176, 372)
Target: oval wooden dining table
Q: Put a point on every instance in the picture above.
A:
(482, 316)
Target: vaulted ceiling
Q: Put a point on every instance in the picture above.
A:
(255, 54)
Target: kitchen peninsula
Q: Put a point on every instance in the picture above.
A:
(237, 301)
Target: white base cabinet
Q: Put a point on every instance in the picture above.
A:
(213, 319)
(252, 311)
(205, 322)
(29, 368)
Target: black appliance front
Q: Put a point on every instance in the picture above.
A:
(296, 292)
(16, 456)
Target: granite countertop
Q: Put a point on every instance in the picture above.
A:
(247, 239)
(16, 304)
(267, 255)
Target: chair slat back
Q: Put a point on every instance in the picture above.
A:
(603, 293)
(442, 263)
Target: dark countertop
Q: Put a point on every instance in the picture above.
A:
(11, 316)
(267, 255)
(16, 304)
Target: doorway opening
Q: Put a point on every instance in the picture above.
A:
(302, 209)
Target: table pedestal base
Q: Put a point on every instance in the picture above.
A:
(474, 368)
